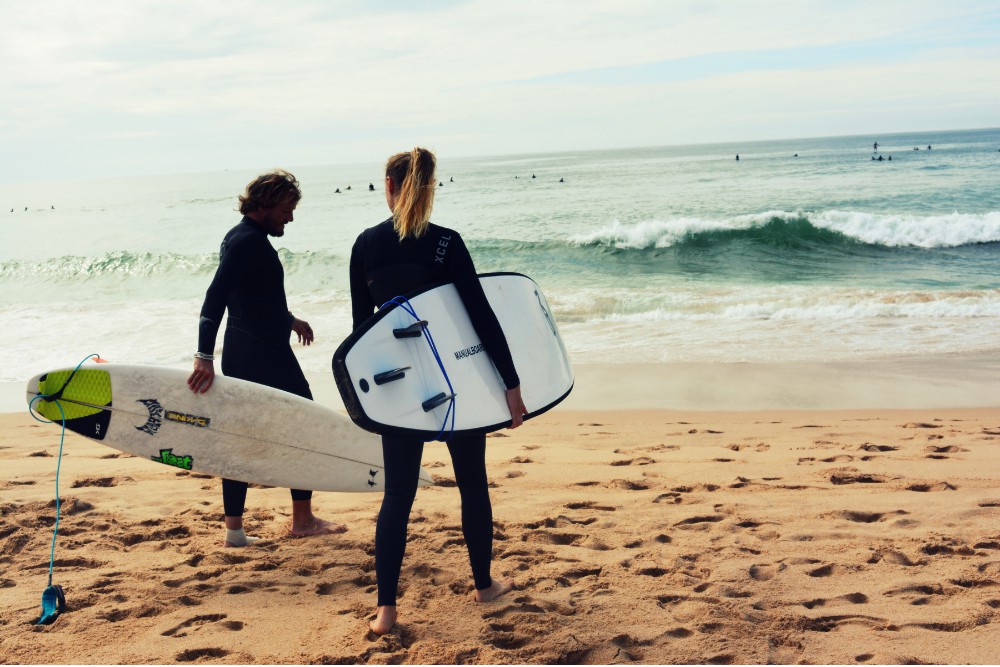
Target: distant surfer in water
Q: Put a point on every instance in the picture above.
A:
(249, 282)
(397, 256)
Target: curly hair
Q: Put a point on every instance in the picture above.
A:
(270, 190)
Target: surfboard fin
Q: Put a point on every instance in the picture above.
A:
(390, 376)
(415, 330)
(435, 401)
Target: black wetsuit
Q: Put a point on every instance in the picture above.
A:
(250, 283)
(383, 267)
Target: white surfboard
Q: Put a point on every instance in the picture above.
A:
(391, 382)
(238, 429)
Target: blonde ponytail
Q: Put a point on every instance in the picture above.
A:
(412, 176)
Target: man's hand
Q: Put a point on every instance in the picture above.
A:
(202, 376)
(303, 331)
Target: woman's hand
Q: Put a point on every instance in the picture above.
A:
(303, 331)
(202, 376)
(516, 406)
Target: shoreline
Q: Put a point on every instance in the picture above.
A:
(911, 383)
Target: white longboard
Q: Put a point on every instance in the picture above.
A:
(391, 382)
(238, 429)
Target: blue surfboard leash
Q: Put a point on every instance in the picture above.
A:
(53, 598)
(405, 304)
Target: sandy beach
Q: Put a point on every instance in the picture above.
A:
(856, 536)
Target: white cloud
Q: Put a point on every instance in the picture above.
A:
(309, 79)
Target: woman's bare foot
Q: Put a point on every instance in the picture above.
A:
(496, 589)
(314, 526)
(385, 620)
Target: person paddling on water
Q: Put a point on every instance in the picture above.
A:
(249, 282)
(394, 258)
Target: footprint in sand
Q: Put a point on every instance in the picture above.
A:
(930, 487)
(894, 557)
(521, 605)
(103, 482)
(171, 534)
(831, 623)
(764, 572)
(869, 447)
(863, 517)
(561, 521)
(195, 624)
(553, 537)
(589, 505)
(846, 477)
(627, 485)
(949, 449)
(196, 654)
(712, 518)
(653, 448)
(920, 594)
(640, 461)
(949, 548)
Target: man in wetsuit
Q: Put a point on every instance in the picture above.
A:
(250, 284)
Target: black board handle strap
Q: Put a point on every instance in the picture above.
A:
(415, 330)
(435, 401)
(390, 376)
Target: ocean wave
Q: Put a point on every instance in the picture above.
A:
(119, 264)
(144, 265)
(782, 228)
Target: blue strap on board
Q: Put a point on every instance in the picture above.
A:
(404, 303)
(53, 598)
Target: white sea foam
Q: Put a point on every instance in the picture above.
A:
(653, 233)
(897, 230)
(891, 230)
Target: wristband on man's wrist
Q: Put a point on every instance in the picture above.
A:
(206, 357)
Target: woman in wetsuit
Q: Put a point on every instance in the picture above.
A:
(393, 258)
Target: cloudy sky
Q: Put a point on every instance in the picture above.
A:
(115, 87)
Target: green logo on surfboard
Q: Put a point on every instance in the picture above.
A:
(168, 457)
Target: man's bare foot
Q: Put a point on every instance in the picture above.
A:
(315, 526)
(497, 589)
(237, 538)
(385, 620)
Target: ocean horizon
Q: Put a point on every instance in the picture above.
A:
(803, 250)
